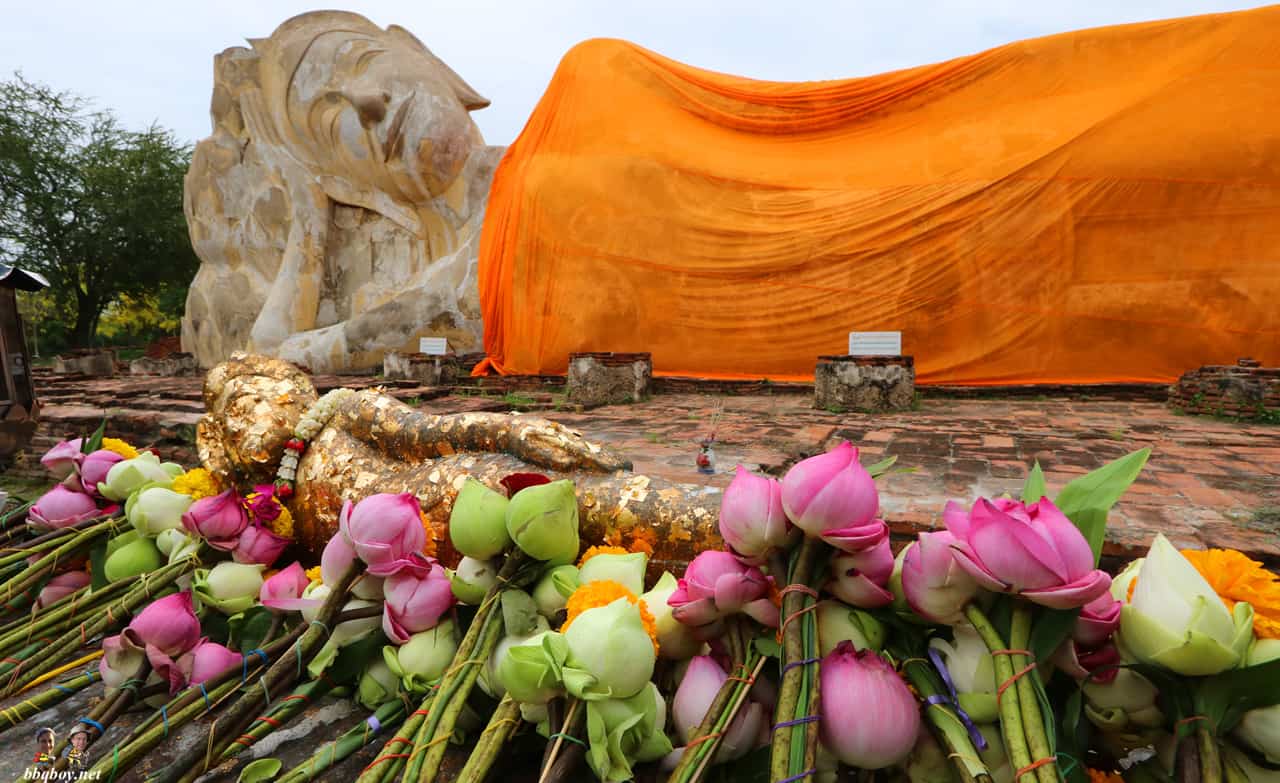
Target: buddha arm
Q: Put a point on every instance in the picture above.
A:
(405, 434)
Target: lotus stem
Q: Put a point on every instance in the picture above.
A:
(502, 724)
(794, 745)
(352, 740)
(556, 763)
(723, 710)
(948, 727)
(283, 711)
(1032, 720)
(1015, 739)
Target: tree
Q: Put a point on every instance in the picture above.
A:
(95, 208)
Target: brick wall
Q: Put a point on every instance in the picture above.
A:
(1245, 390)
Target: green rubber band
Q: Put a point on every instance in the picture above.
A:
(115, 762)
(569, 737)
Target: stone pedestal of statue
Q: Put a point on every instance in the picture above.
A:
(424, 368)
(609, 378)
(864, 383)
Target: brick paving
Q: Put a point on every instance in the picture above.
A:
(1209, 482)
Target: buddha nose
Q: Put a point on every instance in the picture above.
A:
(371, 107)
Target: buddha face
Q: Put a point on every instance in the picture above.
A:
(375, 106)
(253, 405)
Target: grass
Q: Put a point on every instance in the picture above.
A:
(516, 399)
(654, 437)
(27, 489)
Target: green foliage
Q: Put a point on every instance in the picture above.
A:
(95, 208)
(1087, 500)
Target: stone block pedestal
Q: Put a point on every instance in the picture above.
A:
(427, 369)
(1245, 390)
(173, 365)
(609, 378)
(864, 383)
(86, 362)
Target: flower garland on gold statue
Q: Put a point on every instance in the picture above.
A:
(307, 428)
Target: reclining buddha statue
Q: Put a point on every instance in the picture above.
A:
(373, 443)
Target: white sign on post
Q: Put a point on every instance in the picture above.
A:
(433, 346)
(875, 343)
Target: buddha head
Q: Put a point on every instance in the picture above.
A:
(372, 108)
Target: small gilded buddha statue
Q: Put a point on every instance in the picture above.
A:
(368, 442)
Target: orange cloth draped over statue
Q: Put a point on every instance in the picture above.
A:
(1098, 206)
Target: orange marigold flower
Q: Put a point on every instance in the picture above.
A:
(1098, 776)
(429, 548)
(1234, 576)
(601, 550)
(602, 593)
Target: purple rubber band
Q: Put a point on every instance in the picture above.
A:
(794, 664)
(801, 776)
(953, 700)
(374, 723)
(796, 722)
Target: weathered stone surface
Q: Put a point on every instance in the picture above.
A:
(1246, 390)
(90, 362)
(609, 378)
(864, 383)
(337, 205)
(172, 365)
(429, 370)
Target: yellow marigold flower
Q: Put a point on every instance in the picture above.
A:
(429, 548)
(119, 447)
(1236, 577)
(197, 482)
(313, 573)
(282, 525)
(601, 550)
(1098, 776)
(603, 593)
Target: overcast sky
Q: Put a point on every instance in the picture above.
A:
(151, 60)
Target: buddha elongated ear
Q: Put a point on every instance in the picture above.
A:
(471, 99)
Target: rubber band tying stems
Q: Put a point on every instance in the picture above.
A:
(569, 737)
(1033, 766)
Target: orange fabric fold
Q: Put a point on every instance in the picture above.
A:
(1098, 206)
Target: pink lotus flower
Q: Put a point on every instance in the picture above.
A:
(716, 584)
(169, 624)
(257, 544)
(62, 586)
(262, 504)
(752, 521)
(1097, 621)
(93, 470)
(219, 520)
(206, 661)
(62, 507)
(283, 590)
(166, 668)
(859, 579)
(415, 603)
(1031, 550)
(702, 681)
(832, 497)
(1100, 666)
(62, 459)
(869, 717)
(337, 557)
(385, 530)
(934, 584)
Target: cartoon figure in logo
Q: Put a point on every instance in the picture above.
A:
(79, 741)
(44, 749)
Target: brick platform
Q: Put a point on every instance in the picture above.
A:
(1209, 482)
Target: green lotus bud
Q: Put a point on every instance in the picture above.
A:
(543, 521)
(972, 672)
(610, 652)
(1260, 729)
(488, 679)
(1177, 621)
(154, 509)
(378, 684)
(127, 476)
(553, 589)
(1128, 702)
(472, 580)
(622, 732)
(478, 524)
(676, 641)
(627, 570)
(137, 556)
(229, 587)
(531, 671)
(424, 658)
(838, 622)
